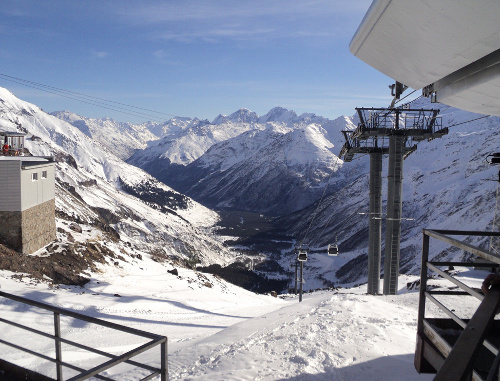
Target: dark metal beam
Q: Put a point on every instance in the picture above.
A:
(459, 362)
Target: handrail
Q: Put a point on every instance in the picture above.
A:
(155, 340)
(460, 359)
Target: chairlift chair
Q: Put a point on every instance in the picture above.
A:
(333, 250)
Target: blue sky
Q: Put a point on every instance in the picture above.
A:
(195, 58)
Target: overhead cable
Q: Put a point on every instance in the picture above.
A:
(88, 99)
(468, 121)
(314, 214)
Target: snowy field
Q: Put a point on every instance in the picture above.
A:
(217, 331)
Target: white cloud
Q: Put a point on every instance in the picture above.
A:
(98, 54)
(163, 57)
(213, 21)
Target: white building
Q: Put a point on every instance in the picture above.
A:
(27, 202)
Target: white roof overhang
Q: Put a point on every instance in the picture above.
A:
(453, 45)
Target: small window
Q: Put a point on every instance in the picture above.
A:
(44, 174)
(34, 176)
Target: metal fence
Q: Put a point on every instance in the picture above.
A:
(114, 360)
(432, 330)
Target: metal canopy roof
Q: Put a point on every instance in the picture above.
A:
(453, 45)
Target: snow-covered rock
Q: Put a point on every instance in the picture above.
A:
(120, 138)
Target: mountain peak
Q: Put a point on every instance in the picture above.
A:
(243, 115)
(219, 119)
(278, 114)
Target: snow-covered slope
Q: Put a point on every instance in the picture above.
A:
(120, 138)
(275, 171)
(103, 194)
(226, 333)
(447, 185)
(275, 164)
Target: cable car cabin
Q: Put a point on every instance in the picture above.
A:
(333, 250)
(302, 256)
(12, 143)
(493, 158)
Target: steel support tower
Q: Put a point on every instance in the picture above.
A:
(393, 218)
(375, 224)
(396, 132)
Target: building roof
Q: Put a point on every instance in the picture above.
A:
(28, 161)
(12, 133)
(451, 44)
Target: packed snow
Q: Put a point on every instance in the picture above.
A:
(217, 331)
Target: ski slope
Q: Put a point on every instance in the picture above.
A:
(218, 331)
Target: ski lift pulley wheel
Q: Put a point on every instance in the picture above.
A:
(333, 250)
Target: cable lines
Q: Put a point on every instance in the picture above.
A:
(468, 121)
(94, 101)
(315, 212)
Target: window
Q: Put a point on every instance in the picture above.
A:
(44, 174)
(34, 176)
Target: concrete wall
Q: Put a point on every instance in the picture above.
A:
(31, 229)
(38, 226)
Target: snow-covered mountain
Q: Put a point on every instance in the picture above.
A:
(447, 185)
(277, 163)
(184, 145)
(120, 138)
(275, 171)
(118, 205)
(280, 163)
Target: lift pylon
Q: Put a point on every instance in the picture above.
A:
(394, 132)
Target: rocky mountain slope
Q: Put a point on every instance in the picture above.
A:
(107, 207)
(275, 164)
(447, 184)
(280, 162)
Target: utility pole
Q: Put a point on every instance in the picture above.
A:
(301, 280)
(301, 258)
(296, 275)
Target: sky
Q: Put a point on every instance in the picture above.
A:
(189, 58)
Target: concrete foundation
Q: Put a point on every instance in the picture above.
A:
(31, 229)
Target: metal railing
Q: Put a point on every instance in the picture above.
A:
(426, 332)
(155, 340)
